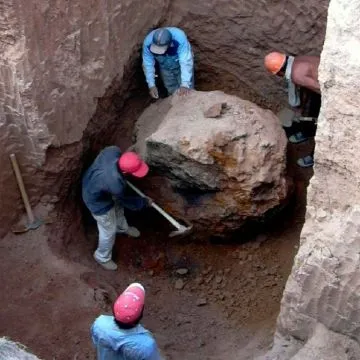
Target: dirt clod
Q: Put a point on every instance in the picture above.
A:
(179, 284)
(201, 302)
(182, 271)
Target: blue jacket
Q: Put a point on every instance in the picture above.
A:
(180, 48)
(103, 182)
(113, 343)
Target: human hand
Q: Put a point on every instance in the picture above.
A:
(183, 91)
(149, 201)
(154, 93)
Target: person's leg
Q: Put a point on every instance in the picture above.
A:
(107, 231)
(171, 79)
(122, 225)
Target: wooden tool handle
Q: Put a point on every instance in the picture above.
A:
(22, 188)
(157, 207)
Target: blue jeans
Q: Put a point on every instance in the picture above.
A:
(170, 72)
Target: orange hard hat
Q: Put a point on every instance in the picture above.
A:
(274, 62)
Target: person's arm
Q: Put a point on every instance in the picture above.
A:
(148, 62)
(186, 62)
(134, 203)
(93, 335)
(307, 82)
(155, 353)
(312, 84)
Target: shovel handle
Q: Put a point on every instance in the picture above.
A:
(22, 188)
(157, 207)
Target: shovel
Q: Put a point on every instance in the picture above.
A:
(181, 230)
(33, 223)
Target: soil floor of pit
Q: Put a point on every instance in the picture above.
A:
(224, 307)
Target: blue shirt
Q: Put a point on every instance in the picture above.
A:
(102, 182)
(113, 343)
(179, 49)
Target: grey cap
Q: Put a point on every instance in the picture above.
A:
(161, 41)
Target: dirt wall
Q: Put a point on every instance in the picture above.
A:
(230, 39)
(58, 58)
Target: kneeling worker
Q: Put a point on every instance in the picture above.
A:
(301, 74)
(121, 337)
(170, 48)
(103, 186)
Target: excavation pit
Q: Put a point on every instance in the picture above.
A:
(213, 299)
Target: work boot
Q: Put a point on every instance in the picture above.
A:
(298, 138)
(108, 265)
(306, 161)
(132, 232)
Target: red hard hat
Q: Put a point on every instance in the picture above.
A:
(129, 305)
(131, 163)
(274, 62)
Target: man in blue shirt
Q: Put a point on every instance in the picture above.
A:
(170, 48)
(103, 187)
(121, 337)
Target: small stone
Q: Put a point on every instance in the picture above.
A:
(182, 271)
(151, 273)
(249, 258)
(218, 279)
(201, 302)
(179, 284)
(215, 111)
(227, 270)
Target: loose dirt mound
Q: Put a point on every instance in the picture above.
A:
(204, 301)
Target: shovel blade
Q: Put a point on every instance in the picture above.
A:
(181, 232)
(24, 228)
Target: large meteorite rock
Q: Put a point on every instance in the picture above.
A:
(225, 155)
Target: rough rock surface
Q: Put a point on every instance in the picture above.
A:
(231, 167)
(10, 350)
(323, 289)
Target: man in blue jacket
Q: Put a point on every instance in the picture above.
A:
(103, 187)
(121, 337)
(170, 48)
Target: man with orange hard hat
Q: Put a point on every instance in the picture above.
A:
(121, 337)
(301, 74)
(103, 192)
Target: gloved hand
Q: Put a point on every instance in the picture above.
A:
(149, 201)
(183, 91)
(154, 93)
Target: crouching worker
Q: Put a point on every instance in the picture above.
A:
(121, 337)
(170, 48)
(103, 187)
